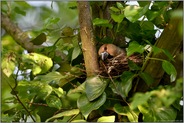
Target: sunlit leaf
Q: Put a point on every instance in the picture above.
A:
(146, 77)
(106, 119)
(132, 13)
(134, 47)
(64, 113)
(114, 9)
(80, 88)
(102, 22)
(117, 18)
(139, 99)
(169, 69)
(8, 64)
(41, 63)
(53, 101)
(87, 106)
(59, 91)
(95, 86)
(125, 110)
(153, 113)
(119, 5)
(79, 121)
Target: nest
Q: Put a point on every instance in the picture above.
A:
(117, 65)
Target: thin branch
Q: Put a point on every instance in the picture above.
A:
(14, 93)
(17, 34)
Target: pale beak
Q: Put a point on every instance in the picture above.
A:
(104, 55)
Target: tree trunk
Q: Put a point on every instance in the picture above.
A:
(87, 38)
(169, 40)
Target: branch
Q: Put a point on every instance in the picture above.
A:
(17, 34)
(87, 38)
(169, 40)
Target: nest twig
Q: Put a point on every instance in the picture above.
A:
(117, 65)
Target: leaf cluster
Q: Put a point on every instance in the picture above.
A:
(50, 84)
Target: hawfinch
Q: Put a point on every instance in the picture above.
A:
(110, 50)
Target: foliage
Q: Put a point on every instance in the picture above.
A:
(50, 84)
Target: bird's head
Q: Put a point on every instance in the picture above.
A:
(109, 50)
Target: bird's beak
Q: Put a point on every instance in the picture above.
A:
(104, 55)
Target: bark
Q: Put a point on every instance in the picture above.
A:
(169, 40)
(87, 38)
(17, 34)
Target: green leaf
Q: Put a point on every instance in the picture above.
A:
(50, 21)
(126, 80)
(8, 64)
(119, 5)
(51, 76)
(133, 13)
(146, 77)
(168, 54)
(67, 31)
(29, 89)
(147, 25)
(117, 18)
(41, 63)
(65, 113)
(156, 50)
(102, 22)
(134, 47)
(151, 15)
(143, 3)
(114, 9)
(87, 106)
(76, 52)
(153, 113)
(126, 111)
(59, 91)
(80, 88)
(124, 86)
(139, 99)
(19, 11)
(95, 86)
(78, 121)
(106, 119)
(39, 39)
(169, 69)
(132, 65)
(53, 101)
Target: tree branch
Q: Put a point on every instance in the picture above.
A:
(169, 40)
(87, 37)
(17, 34)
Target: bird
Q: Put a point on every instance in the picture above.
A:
(115, 59)
(110, 50)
